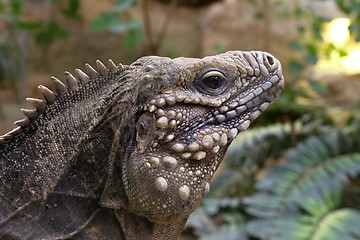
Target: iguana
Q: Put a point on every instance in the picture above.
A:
(128, 152)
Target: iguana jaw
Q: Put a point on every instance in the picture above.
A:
(182, 137)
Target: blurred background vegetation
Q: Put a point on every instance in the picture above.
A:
(295, 173)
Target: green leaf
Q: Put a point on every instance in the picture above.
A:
(317, 26)
(299, 13)
(50, 33)
(317, 87)
(126, 26)
(312, 52)
(201, 222)
(16, 6)
(259, 15)
(29, 25)
(308, 184)
(258, 228)
(228, 232)
(295, 67)
(112, 20)
(206, 228)
(334, 225)
(132, 37)
(339, 224)
(253, 2)
(122, 5)
(50, 1)
(218, 48)
(343, 7)
(72, 10)
(296, 45)
(2, 8)
(104, 21)
(311, 59)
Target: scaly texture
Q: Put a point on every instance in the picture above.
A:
(128, 152)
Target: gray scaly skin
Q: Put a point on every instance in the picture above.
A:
(128, 152)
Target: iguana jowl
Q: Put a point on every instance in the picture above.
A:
(128, 152)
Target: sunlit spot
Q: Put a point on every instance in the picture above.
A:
(352, 61)
(337, 33)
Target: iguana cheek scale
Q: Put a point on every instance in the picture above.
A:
(128, 151)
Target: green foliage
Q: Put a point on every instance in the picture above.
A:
(301, 192)
(72, 10)
(218, 48)
(112, 20)
(12, 57)
(116, 22)
(309, 42)
(352, 8)
(49, 33)
(286, 181)
(299, 176)
(232, 221)
(13, 35)
(249, 153)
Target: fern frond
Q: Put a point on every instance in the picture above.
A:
(207, 228)
(337, 224)
(250, 151)
(257, 144)
(254, 144)
(310, 181)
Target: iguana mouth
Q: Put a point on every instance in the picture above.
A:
(239, 113)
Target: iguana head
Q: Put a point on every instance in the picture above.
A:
(183, 132)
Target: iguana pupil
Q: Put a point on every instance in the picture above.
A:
(213, 83)
(214, 80)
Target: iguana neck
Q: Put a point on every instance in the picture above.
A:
(75, 120)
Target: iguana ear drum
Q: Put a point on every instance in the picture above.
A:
(145, 128)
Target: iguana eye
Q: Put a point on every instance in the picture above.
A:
(213, 83)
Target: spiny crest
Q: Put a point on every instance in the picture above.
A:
(61, 88)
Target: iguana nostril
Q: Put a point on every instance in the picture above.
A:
(271, 63)
(270, 59)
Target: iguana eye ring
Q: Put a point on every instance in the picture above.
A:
(213, 83)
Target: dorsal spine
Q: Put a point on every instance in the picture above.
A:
(71, 83)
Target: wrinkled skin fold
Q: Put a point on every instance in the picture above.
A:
(128, 152)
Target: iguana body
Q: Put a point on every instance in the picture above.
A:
(128, 152)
